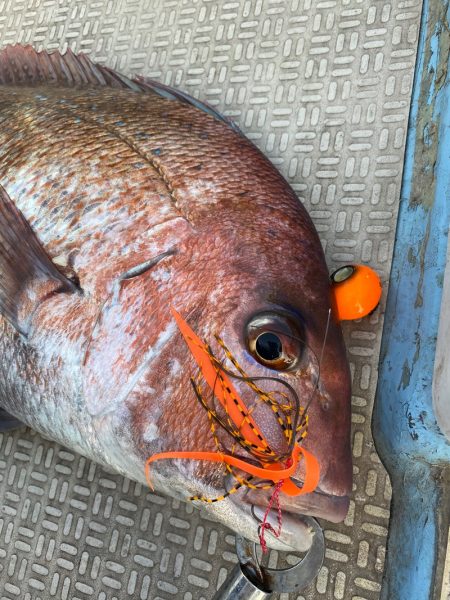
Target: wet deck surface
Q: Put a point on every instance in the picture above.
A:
(323, 88)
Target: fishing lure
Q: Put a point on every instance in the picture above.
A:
(270, 469)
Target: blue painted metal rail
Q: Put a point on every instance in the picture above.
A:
(408, 439)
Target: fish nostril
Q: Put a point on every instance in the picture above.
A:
(321, 491)
(325, 404)
(318, 490)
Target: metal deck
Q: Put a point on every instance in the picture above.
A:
(324, 89)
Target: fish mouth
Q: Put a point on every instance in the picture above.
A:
(318, 504)
(244, 510)
(296, 533)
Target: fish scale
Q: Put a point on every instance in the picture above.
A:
(80, 185)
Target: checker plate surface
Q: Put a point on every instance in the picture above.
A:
(323, 88)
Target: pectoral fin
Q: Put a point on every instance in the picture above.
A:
(27, 274)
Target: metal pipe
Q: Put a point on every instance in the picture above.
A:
(239, 587)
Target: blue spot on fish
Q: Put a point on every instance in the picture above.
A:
(119, 124)
(156, 151)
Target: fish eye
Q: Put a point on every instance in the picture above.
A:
(275, 340)
(269, 346)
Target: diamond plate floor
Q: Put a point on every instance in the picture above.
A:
(323, 88)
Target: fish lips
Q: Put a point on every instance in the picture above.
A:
(317, 504)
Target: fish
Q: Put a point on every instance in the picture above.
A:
(123, 203)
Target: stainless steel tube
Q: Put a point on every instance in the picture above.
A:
(239, 587)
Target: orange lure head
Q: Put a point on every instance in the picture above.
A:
(356, 291)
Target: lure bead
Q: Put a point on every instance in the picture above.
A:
(356, 292)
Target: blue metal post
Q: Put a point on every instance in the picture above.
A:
(407, 436)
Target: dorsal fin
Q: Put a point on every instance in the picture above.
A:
(23, 65)
(24, 266)
(173, 94)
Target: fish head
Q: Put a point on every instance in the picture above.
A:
(279, 324)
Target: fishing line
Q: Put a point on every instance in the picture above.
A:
(320, 360)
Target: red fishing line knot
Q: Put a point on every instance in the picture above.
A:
(274, 498)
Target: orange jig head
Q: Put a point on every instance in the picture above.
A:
(356, 292)
(241, 417)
